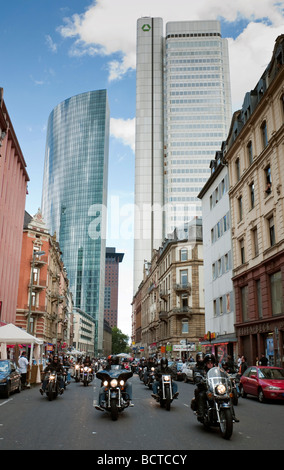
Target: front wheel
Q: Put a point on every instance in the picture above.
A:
(50, 392)
(226, 423)
(260, 396)
(168, 399)
(113, 409)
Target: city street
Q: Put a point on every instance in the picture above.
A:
(28, 421)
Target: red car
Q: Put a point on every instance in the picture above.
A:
(267, 383)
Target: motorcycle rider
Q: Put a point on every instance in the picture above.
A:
(208, 362)
(148, 368)
(200, 372)
(56, 366)
(162, 369)
(114, 360)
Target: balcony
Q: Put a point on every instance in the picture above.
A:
(38, 285)
(164, 294)
(184, 311)
(39, 260)
(163, 315)
(184, 287)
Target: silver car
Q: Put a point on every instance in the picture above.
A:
(188, 372)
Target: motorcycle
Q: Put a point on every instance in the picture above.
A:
(150, 378)
(218, 411)
(235, 380)
(86, 375)
(76, 375)
(65, 376)
(52, 388)
(165, 392)
(114, 382)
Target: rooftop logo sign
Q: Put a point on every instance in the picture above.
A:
(146, 27)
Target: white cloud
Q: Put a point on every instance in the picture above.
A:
(51, 44)
(123, 130)
(108, 27)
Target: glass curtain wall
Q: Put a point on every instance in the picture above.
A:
(74, 197)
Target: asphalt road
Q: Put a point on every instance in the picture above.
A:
(28, 421)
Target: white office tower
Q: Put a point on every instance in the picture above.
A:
(183, 113)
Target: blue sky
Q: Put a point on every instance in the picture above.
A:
(51, 50)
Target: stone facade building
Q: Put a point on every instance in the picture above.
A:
(172, 296)
(255, 156)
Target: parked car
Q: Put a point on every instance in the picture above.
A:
(188, 374)
(266, 383)
(10, 378)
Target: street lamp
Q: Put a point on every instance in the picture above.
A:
(35, 253)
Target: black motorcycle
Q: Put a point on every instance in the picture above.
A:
(165, 392)
(218, 410)
(113, 381)
(53, 386)
(86, 375)
(150, 378)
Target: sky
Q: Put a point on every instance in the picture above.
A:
(54, 49)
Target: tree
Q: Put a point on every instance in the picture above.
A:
(119, 341)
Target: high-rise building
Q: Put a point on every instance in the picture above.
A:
(13, 183)
(74, 197)
(183, 113)
(111, 285)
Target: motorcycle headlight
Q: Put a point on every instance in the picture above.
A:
(105, 383)
(167, 378)
(113, 383)
(90, 370)
(121, 383)
(77, 367)
(86, 369)
(221, 389)
(152, 369)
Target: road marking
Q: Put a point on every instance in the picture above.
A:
(4, 402)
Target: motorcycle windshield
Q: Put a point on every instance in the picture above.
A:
(216, 376)
(121, 374)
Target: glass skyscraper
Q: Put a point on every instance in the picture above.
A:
(74, 197)
(183, 113)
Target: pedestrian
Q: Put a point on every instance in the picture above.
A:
(263, 361)
(243, 365)
(23, 368)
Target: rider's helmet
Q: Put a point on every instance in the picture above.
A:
(115, 360)
(209, 358)
(164, 362)
(199, 357)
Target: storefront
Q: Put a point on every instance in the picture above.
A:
(262, 337)
(221, 346)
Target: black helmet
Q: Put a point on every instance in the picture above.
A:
(199, 357)
(164, 362)
(209, 358)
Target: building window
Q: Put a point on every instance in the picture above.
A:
(221, 305)
(238, 172)
(271, 231)
(264, 134)
(276, 293)
(251, 187)
(249, 151)
(242, 250)
(183, 278)
(240, 205)
(183, 254)
(268, 180)
(184, 326)
(255, 242)
(244, 303)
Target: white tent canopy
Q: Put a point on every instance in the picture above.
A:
(11, 334)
